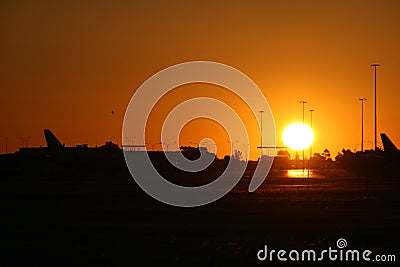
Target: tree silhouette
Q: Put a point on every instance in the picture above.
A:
(326, 154)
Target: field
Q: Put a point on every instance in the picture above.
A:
(84, 216)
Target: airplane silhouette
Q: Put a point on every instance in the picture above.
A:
(57, 150)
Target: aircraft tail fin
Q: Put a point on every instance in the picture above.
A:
(388, 145)
(52, 142)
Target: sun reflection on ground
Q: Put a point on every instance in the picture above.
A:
(298, 173)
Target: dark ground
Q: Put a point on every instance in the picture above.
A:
(73, 216)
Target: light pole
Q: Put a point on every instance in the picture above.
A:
(261, 126)
(309, 159)
(233, 145)
(362, 123)
(27, 141)
(303, 102)
(375, 117)
(311, 111)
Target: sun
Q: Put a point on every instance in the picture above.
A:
(298, 136)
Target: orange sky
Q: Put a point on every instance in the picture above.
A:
(65, 66)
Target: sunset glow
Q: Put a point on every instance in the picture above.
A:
(75, 64)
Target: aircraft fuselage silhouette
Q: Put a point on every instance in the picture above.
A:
(58, 150)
